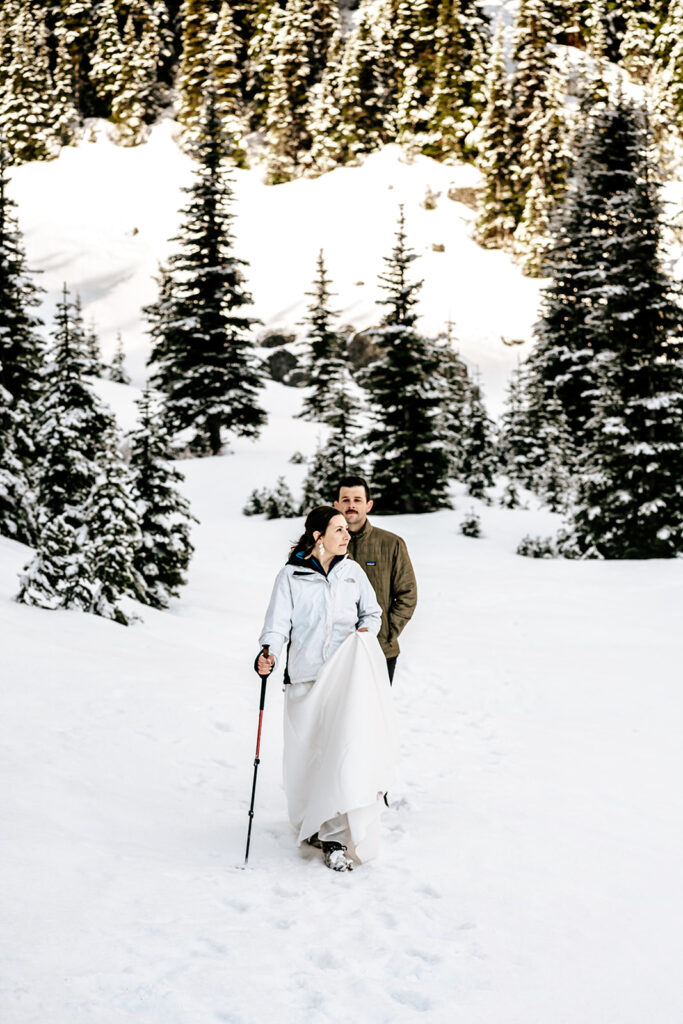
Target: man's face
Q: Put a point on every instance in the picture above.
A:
(352, 502)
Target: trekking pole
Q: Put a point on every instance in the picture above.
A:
(264, 679)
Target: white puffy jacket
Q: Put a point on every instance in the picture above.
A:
(318, 613)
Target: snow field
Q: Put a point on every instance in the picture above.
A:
(530, 862)
(100, 218)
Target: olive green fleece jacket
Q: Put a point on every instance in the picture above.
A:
(384, 557)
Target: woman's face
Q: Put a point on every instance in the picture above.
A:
(336, 536)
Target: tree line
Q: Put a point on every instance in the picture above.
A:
(320, 83)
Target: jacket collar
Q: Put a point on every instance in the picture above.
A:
(365, 530)
(297, 558)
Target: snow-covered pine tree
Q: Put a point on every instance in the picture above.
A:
(26, 92)
(638, 46)
(496, 220)
(71, 421)
(93, 350)
(267, 23)
(323, 361)
(409, 465)
(546, 160)
(453, 383)
(562, 362)
(324, 125)
(21, 361)
(198, 18)
(107, 57)
(13, 479)
(163, 555)
(200, 330)
(66, 117)
(227, 78)
(364, 89)
(75, 27)
(287, 112)
(458, 96)
(58, 576)
(128, 107)
(478, 462)
(117, 370)
(595, 91)
(113, 533)
(630, 478)
(533, 59)
(521, 454)
(326, 22)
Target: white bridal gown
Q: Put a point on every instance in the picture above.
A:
(341, 747)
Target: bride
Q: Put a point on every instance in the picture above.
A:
(340, 744)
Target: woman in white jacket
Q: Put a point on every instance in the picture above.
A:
(340, 733)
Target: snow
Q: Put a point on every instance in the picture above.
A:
(530, 862)
(100, 218)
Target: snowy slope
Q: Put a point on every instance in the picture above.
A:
(100, 217)
(530, 870)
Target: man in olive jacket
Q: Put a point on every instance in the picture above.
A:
(384, 557)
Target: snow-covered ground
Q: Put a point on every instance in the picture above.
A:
(530, 870)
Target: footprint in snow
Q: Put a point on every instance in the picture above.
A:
(413, 999)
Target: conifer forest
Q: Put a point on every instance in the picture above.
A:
(571, 114)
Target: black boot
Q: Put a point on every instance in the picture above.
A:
(334, 855)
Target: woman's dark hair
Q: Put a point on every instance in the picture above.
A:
(317, 521)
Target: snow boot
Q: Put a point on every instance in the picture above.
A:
(314, 841)
(334, 855)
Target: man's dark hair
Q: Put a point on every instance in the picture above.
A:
(354, 481)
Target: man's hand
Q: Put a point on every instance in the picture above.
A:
(364, 629)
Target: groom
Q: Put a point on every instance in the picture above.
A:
(384, 557)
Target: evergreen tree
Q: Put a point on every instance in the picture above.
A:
(13, 481)
(198, 19)
(21, 348)
(93, 351)
(521, 453)
(75, 27)
(261, 52)
(546, 161)
(409, 466)
(364, 95)
(496, 220)
(287, 113)
(66, 117)
(478, 461)
(453, 383)
(107, 57)
(227, 75)
(459, 95)
(563, 361)
(26, 92)
(21, 360)
(128, 108)
(324, 124)
(58, 576)
(533, 59)
(71, 422)
(323, 356)
(630, 493)
(199, 328)
(163, 555)
(113, 533)
(117, 370)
